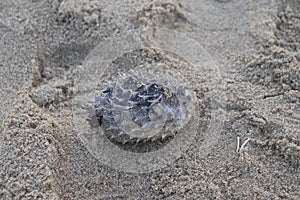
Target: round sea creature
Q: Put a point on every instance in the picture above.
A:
(143, 106)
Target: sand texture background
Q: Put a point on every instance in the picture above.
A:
(256, 45)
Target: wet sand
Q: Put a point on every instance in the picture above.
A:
(256, 46)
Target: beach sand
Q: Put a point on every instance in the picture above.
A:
(256, 45)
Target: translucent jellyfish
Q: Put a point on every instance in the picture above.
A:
(143, 106)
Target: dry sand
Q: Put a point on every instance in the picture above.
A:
(257, 47)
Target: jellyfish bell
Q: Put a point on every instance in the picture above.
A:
(154, 107)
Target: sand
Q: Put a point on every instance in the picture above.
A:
(256, 47)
